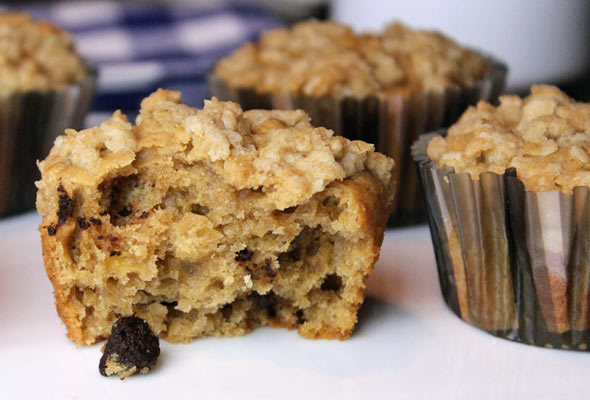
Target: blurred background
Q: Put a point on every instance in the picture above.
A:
(139, 46)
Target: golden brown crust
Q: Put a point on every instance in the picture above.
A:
(370, 195)
(67, 305)
(259, 220)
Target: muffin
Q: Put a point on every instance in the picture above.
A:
(507, 194)
(211, 222)
(45, 87)
(385, 88)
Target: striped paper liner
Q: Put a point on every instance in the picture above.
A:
(513, 262)
(29, 123)
(392, 122)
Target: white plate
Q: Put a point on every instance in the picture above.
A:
(407, 345)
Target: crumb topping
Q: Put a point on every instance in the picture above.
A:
(325, 58)
(36, 55)
(545, 136)
(276, 154)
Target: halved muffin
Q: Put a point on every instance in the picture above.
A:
(211, 222)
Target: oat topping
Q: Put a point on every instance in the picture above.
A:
(279, 151)
(320, 58)
(545, 136)
(36, 55)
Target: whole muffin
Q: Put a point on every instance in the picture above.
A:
(45, 87)
(508, 201)
(385, 88)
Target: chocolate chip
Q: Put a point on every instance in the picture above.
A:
(289, 210)
(65, 206)
(266, 302)
(259, 300)
(169, 303)
(244, 255)
(200, 209)
(113, 238)
(114, 253)
(100, 237)
(51, 231)
(143, 215)
(268, 269)
(300, 317)
(332, 282)
(125, 211)
(271, 312)
(226, 311)
(82, 223)
(95, 221)
(114, 188)
(132, 346)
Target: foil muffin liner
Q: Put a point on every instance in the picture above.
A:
(513, 262)
(29, 123)
(392, 122)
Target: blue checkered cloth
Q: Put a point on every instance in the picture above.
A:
(138, 48)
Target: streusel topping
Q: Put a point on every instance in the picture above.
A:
(36, 55)
(545, 136)
(325, 58)
(279, 151)
(210, 221)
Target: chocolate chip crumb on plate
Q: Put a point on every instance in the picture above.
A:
(132, 347)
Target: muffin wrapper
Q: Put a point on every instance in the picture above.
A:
(29, 123)
(391, 122)
(513, 262)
